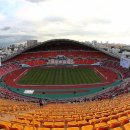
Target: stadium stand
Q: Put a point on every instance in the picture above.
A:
(48, 54)
(107, 109)
(36, 62)
(6, 68)
(96, 115)
(116, 65)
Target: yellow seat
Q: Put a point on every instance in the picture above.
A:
(104, 119)
(72, 124)
(123, 120)
(48, 124)
(17, 126)
(127, 126)
(44, 129)
(15, 129)
(101, 124)
(2, 126)
(5, 123)
(82, 123)
(29, 128)
(59, 124)
(58, 128)
(128, 115)
(87, 127)
(94, 121)
(102, 128)
(73, 128)
(117, 128)
(88, 117)
(35, 123)
(113, 117)
(113, 123)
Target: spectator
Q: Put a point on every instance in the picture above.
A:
(40, 102)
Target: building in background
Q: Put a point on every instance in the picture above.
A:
(31, 43)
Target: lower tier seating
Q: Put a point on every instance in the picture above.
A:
(109, 114)
(116, 65)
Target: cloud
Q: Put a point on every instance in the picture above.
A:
(75, 19)
(36, 1)
(11, 39)
(76, 32)
(4, 36)
(5, 28)
(54, 19)
(99, 21)
(29, 13)
(2, 17)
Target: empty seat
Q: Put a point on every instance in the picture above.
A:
(88, 127)
(73, 128)
(127, 126)
(113, 123)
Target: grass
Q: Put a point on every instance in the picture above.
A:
(60, 76)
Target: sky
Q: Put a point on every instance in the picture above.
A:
(82, 20)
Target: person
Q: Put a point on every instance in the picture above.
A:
(40, 102)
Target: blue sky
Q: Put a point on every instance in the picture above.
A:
(84, 20)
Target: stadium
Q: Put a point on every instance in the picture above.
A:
(81, 88)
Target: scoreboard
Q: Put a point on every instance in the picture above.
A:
(125, 62)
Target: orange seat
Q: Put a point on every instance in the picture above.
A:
(102, 128)
(127, 126)
(29, 128)
(15, 129)
(113, 117)
(100, 125)
(123, 120)
(82, 123)
(48, 124)
(87, 127)
(117, 128)
(17, 126)
(113, 123)
(2, 126)
(94, 121)
(58, 128)
(104, 119)
(72, 124)
(59, 124)
(73, 128)
(45, 129)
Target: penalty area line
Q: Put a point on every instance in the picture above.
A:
(23, 73)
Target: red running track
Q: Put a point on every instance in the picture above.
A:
(12, 78)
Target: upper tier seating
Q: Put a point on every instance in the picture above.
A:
(48, 54)
(85, 61)
(35, 62)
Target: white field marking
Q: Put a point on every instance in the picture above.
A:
(100, 73)
(65, 85)
(24, 72)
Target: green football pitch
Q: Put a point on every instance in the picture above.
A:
(60, 76)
